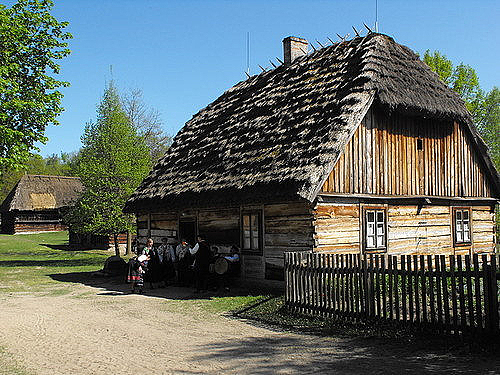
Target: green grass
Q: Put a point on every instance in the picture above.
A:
(27, 260)
(8, 366)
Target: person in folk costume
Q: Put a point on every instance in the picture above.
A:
(137, 269)
(166, 255)
(202, 255)
(153, 273)
(183, 260)
(146, 250)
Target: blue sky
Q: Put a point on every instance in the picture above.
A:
(184, 54)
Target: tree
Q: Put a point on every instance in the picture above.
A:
(112, 162)
(484, 107)
(32, 41)
(148, 123)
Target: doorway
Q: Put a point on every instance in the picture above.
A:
(187, 230)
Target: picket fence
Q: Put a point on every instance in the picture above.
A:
(451, 294)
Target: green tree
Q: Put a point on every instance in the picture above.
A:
(148, 123)
(112, 162)
(484, 107)
(32, 41)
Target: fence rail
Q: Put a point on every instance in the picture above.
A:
(452, 294)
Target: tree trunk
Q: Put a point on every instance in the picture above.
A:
(117, 246)
(129, 243)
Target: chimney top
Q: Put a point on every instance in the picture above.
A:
(294, 47)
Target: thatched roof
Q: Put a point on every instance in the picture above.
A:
(278, 134)
(34, 192)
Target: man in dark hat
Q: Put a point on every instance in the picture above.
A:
(201, 252)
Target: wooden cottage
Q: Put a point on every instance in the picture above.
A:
(356, 147)
(36, 203)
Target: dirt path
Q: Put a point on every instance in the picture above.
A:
(93, 331)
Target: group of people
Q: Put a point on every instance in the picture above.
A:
(173, 262)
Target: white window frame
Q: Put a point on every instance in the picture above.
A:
(375, 229)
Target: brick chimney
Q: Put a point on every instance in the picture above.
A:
(294, 47)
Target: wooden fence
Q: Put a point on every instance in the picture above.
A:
(451, 294)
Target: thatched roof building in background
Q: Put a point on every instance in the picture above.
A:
(35, 203)
(278, 134)
(37, 193)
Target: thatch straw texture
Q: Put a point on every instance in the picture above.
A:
(277, 135)
(35, 192)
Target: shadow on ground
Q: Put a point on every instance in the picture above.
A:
(51, 263)
(306, 354)
(116, 285)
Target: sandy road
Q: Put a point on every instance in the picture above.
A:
(94, 331)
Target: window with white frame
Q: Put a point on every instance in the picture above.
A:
(461, 223)
(251, 231)
(375, 237)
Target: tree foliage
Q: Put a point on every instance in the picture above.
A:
(32, 41)
(148, 123)
(112, 162)
(483, 106)
(53, 165)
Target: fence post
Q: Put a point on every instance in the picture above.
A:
(494, 295)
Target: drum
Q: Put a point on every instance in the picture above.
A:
(221, 266)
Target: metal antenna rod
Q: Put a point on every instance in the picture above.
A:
(248, 54)
(376, 16)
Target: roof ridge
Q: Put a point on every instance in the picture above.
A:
(50, 176)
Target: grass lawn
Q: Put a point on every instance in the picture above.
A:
(28, 260)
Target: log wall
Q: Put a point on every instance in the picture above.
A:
(383, 158)
(285, 226)
(411, 229)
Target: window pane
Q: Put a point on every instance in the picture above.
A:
(380, 216)
(380, 228)
(255, 241)
(466, 236)
(465, 215)
(254, 221)
(459, 237)
(370, 216)
(459, 227)
(459, 215)
(246, 220)
(370, 229)
(380, 241)
(246, 243)
(370, 241)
